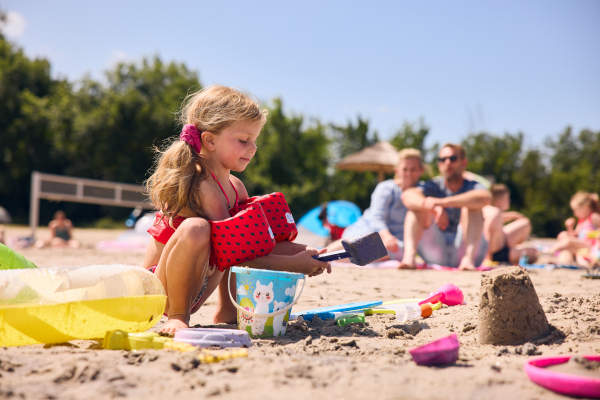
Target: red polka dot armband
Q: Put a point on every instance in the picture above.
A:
(278, 215)
(243, 237)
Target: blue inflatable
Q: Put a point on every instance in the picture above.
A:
(339, 212)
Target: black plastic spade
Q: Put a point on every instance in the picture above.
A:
(361, 251)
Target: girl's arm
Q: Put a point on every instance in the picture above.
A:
(302, 262)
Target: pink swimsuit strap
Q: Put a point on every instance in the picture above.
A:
(235, 204)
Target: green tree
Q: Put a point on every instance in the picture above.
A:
(135, 110)
(411, 135)
(26, 93)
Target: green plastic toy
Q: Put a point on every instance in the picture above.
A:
(10, 259)
(350, 319)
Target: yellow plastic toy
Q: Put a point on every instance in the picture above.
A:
(121, 340)
(213, 356)
(54, 305)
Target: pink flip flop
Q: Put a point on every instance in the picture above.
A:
(569, 384)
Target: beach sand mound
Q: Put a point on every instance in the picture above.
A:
(509, 309)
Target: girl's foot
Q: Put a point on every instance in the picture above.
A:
(172, 325)
(225, 316)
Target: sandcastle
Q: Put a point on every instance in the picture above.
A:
(509, 309)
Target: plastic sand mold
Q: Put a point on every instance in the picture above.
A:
(560, 382)
(208, 337)
(440, 352)
(213, 356)
(121, 340)
(54, 305)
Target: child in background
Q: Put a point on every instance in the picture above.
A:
(505, 230)
(579, 243)
(335, 232)
(192, 185)
(61, 233)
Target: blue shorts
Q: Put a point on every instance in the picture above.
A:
(447, 248)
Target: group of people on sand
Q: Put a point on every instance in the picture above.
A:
(454, 221)
(448, 220)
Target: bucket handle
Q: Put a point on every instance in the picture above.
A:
(272, 314)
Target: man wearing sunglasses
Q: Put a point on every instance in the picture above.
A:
(444, 224)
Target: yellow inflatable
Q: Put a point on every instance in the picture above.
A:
(53, 305)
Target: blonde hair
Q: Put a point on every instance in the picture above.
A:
(460, 151)
(410, 153)
(178, 169)
(580, 199)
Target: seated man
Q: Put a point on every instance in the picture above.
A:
(386, 212)
(506, 230)
(445, 221)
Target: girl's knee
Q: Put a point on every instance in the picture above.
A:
(195, 232)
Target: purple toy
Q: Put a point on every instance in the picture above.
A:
(439, 352)
(448, 294)
(207, 337)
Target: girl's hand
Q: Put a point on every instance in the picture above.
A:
(305, 263)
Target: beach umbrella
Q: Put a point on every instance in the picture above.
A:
(382, 157)
(339, 212)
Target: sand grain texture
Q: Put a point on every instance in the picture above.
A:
(319, 359)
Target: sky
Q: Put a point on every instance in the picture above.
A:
(462, 66)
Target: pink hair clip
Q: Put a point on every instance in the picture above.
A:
(191, 135)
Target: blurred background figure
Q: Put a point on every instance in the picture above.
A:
(4, 219)
(579, 243)
(386, 212)
(335, 231)
(327, 221)
(61, 233)
(506, 230)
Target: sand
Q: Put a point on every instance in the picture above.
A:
(318, 359)
(509, 308)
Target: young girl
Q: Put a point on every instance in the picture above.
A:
(192, 185)
(579, 243)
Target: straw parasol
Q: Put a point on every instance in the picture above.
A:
(382, 157)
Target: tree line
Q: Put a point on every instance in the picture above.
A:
(107, 129)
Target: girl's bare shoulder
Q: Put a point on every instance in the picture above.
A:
(240, 187)
(213, 202)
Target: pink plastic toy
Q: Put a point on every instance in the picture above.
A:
(573, 385)
(448, 294)
(439, 352)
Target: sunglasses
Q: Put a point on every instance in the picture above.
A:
(443, 159)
